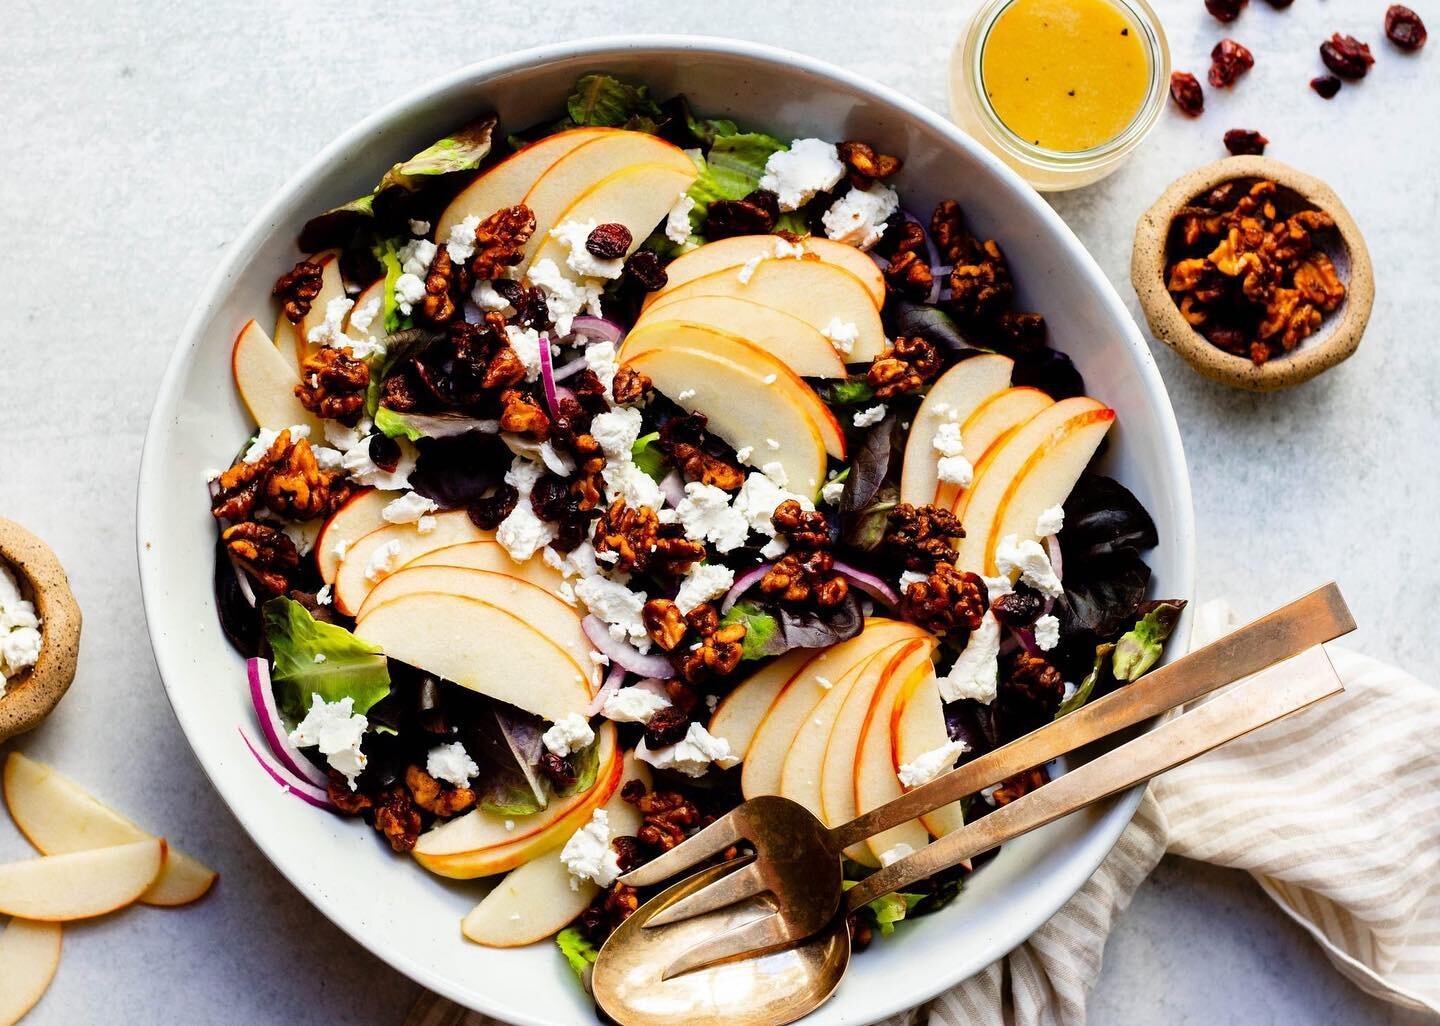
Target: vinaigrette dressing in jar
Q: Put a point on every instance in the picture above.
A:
(1061, 90)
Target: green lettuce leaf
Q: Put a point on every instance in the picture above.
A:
(587, 766)
(707, 130)
(463, 151)
(350, 668)
(848, 392)
(388, 253)
(647, 455)
(603, 101)
(888, 909)
(507, 746)
(731, 171)
(761, 629)
(1139, 649)
(578, 951)
(395, 425)
(1087, 686)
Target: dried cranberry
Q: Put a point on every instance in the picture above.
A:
(609, 241)
(666, 727)
(1228, 61)
(1326, 85)
(1186, 92)
(1404, 28)
(1225, 10)
(559, 771)
(487, 513)
(384, 452)
(644, 269)
(1020, 608)
(1241, 141)
(1346, 56)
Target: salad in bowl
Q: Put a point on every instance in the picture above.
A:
(614, 469)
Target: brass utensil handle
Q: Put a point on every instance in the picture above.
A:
(1318, 617)
(1275, 693)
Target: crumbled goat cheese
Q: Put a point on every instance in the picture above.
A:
(988, 793)
(1050, 521)
(706, 515)
(19, 629)
(797, 174)
(929, 765)
(299, 537)
(346, 438)
(785, 249)
(565, 299)
(909, 577)
(867, 418)
(526, 342)
(747, 269)
(831, 492)
(461, 244)
(409, 290)
(578, 562)
(775, 471)
(890, 856)
(426, 524)
(573, 235)
(419, 227)
(998, 586)
(691, 755)
(704, 582)
(624, 480)
(842, 335)
(858, 217)
(952, 467)
(616, 431)
(758, 499)
(325, 595)
(320, 657)
(416, 257)
(1047, 632)
(486, 298)
(977, 669)
(600, 358)
(571, 734)
(265, 438)
(336, 729)
(588, 855)
(614, 603)
(382, 560)
(522, 533)
(770, 379)
(327, 458)
(329, 332)
(772, 444)
(685, 393)
(452, 764)
(1030, 559)
(825, 682)
(363, 316)
(408, 508)
(744, 453)
(634, 705)
(774, 548)
(677, 222)
(365, 471)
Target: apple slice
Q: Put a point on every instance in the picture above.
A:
(637, 196)
(82, 884)
(540, 898)
(482, 647)
(30, 953)
(606, 157)
(360, 515)
(356, 576)
(741, 712)
(957, 394)
(491, 556)
(1066, 432)
(58, 817)
(723, 254)
(372, 293)
(539, 608)
(266, 383)
(812, 290)
(917, 726)
(875, 780)
(507, 182)
(994, 420)
(795, 344)
(332, 286)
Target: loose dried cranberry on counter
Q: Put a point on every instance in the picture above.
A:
(1346, 56)
(1225, 10)
(1326, 85)
(1228, 61)
(1186, 92)
(1242, 141)
(1404, 28)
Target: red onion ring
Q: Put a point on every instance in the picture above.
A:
(547, 376)
(672, 485)
(570, 370)
(742, 584)
(1052, 547)
(613, 680)
(869, 584)
(241, 578)
(622, 653)
(272, 728)
(307, 793)
(1026, 637)
(601, 329)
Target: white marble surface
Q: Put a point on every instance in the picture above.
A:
(139, 137)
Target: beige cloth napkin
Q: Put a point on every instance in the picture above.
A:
(1365, 886)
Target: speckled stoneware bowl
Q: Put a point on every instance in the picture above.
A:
(1339, 334)
(29, 697)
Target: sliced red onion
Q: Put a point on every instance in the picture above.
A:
(570, 370)
(613, 680)
(868, 583)
(930, 246)
(472, 313)
(1009, 644)
(1052, 546)
(547, 376)
(742, 584)
(1026, 637)
(599, 329)
(672, 485)
(272, 728)
(880, 261)
(309, 793)
(622, 653)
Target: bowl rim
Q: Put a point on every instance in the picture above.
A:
(1087, 855)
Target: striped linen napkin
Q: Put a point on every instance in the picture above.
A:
(1367, 890)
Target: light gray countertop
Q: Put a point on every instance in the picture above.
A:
(139, 138)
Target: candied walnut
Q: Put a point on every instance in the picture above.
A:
(728, 218)
(922, 537)
(718, 655)
(666, 727)
(351, 803)
(683, 441)
(1228, 61)
(951, 238)
(237, 491)
(802, 528)
(907, 364)
(664, 623)
(1022, 332)
(805, 578)
(585, 488)
(1318, 284)
(1346, 56)
(1404, 28)
(1186, 92)
(630, 386)
(1288, 318)
(438, 306)
(1019, 785)
(628, 532)
(434, 797)
(947, 600)
(397, 818)
(981, 288)
(500, 241)
(521, 414)
(1225, 10)
(266, 553)
(332, 385)
(1326, 85)
(864, 166)
(1020, 608)
(614, 905)
(297, 288)
(909, 274)
(704, 619)
(644, 268)
(1034, 682)
(666, 818)
(609, 241)
(1240, 141)
(295, 487)
(487, 513)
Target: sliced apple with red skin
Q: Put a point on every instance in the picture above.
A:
(991, 423)
(58, 817)
(30, 953)
(539, 608)
(875, 779)
(744, 409)
(795, 344)
(917, 726)
(537, 900)
(332, 286)
(361, 514)
(267, 382)
(482, 647)
(447, 852)
(956, 394)
(352, 584)
(81, 884)
(812, 290)
(638, 197)
(491, 555)
(1051, 443)
(723, 254)
(506, 184)
(741, 712)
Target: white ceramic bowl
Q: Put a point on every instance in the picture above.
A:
(408, 917)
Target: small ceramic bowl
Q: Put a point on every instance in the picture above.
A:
(30, 696)
(1339, 334)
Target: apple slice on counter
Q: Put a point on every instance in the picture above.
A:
(741, 712)
(332, 286)
(638, 196)
(506, 184)
(361, 514)
(917, 726)
(30, 953)
(58, 817)
(723, 254)
(875, 779)
(81, 884)
(266, 382)
(491, 556)
(812, 290)
(1056, 443)
(537, 900)
(482, 647)
(356, 576)
(956, 394)
(994, 420)
(795, 344)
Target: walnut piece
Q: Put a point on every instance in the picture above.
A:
(664, 623)
(434, 797)
(521, 414)
(297, 288)
(864, 166)
(500, 241)
(907, 364)
(946, 601)
(397, 818)
(266, 553)
(332, 385)
(922, 537)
